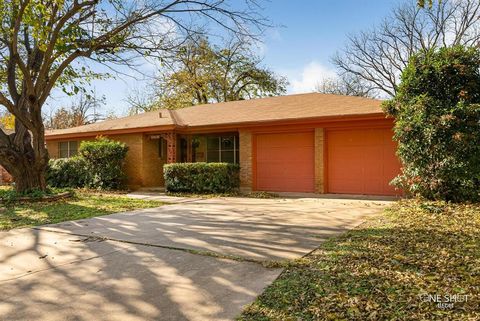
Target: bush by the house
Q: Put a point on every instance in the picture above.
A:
(105, 159)
(201, 177)
(437, 112)
(68, 172)
(99, 164)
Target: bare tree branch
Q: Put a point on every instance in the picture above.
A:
(50, 44)
(379, 55)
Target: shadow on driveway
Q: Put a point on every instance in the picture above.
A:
(61, 272)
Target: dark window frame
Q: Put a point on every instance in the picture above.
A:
(162, 148)
(71, 151)
(220, 137)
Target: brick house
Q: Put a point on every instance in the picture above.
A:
(5, 177)
(299, 143)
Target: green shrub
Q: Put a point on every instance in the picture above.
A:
(68, 172)
(104, 159)
(437, 112)
(201, 177)
(99, 164)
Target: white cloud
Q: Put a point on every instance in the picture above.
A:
(275, 34)
(312, 74)
(259, 48)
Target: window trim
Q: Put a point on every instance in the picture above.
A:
(69, 148)
(162, 148)
(235, 148)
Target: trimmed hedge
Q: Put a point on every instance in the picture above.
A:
(105, 159)
(68, 172)
(201, 177)
(98, 165)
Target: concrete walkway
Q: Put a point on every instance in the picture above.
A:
(197, 259)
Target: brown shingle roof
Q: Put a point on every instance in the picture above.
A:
(150, 119)
(290, 107)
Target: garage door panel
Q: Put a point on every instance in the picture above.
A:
(279, 153)
(374, 186)
(272, 170)
(285, 162)
(344, 139)
(373, 137)
(344, 186)
(280, 140)
(361, 161)
(343, 164)
(284, 185)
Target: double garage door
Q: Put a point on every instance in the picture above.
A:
(359, 161)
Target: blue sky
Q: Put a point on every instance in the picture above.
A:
(311, 32)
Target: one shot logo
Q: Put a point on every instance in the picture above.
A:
(444, 301)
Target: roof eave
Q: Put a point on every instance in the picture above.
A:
(222, 126)
(106, 132)
(291, 121)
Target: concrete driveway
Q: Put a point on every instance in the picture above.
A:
(198, 259)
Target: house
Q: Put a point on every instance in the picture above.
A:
(5, 177)
(297, 143)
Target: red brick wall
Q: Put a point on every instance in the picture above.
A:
(5, 177)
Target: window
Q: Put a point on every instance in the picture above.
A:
(67, 149)
(222, 149)
(162, 148)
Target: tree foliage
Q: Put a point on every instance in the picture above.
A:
(437, 113)
(202, 73)
(7, 121)
(380, 54)
(422, 3)
(52, 44)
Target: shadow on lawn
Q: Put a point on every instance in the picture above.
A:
(381, 273)
(39, 213)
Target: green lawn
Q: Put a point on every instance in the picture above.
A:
(384, 269)
(82, 205)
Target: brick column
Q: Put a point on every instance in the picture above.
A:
(245, 141)
(319, 154)
(171, 139)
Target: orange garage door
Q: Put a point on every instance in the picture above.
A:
(361, 161)
(285, 162)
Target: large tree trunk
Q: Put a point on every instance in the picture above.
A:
(24, 155)
(29, 177)
(28, 171)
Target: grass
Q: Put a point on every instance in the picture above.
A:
(82, 205)
(390, 268)
(230, 194)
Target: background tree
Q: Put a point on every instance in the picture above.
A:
(422, 3)
(348, 85)
(379, 55)
(87, 109)
(7, 121)
(202, 73)
(51, 44)
(437, 112)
